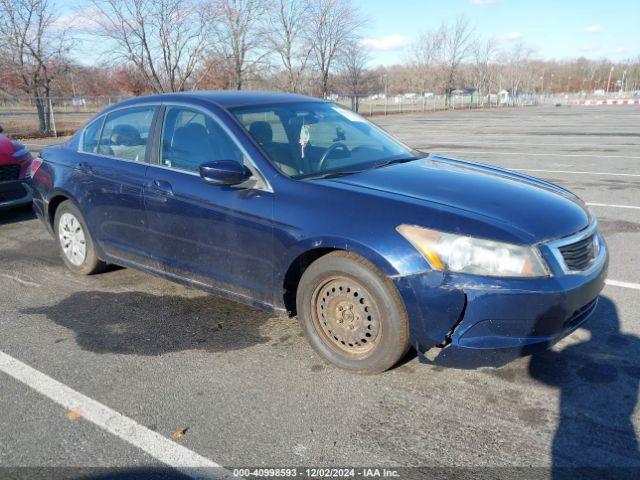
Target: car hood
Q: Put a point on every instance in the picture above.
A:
(539, 209)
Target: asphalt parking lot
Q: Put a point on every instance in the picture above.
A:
(189, 376)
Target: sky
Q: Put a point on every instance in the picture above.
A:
(560, 29)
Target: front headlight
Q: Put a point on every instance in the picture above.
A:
(459, 253)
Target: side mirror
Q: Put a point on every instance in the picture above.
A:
(224, 172)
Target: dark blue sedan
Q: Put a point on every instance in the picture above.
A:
(299, 205)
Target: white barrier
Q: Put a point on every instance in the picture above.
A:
(614, 101)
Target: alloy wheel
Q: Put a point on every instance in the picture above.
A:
(72, 239)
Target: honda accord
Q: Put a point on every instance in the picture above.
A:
(299, 205)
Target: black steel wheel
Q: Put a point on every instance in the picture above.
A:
(352, 313)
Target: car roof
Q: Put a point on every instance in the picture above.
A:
(224, 99)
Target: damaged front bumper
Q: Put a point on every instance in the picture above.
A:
(480, 313)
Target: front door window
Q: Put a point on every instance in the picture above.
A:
(191, 138)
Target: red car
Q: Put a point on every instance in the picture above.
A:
(15, 161)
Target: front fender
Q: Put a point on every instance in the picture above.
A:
(334, 243)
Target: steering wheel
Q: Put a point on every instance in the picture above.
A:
(329, 151)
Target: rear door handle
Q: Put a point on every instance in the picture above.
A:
(163, 186)
(85, 166)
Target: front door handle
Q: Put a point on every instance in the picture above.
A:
(163, 186)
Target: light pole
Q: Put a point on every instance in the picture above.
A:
(609, 81)
(624, 74)
(386, 92)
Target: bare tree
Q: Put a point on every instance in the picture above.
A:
(425, 52)
(483, 58)
(218, 74)
(239, 36)
(289, 21)
(516, 67)
(34, 50)
(164, 39)
(352, 67)
(633, 75)
(335, 25)
(129, 80)
(457, 40)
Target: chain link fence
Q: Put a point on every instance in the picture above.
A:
(19, 115)
(20, 118)
(380, 105)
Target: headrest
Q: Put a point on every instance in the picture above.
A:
(125, 135)
(261, 131)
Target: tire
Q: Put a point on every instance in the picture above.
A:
(352, 314)
(74, 241)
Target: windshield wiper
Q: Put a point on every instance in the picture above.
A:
(396, 160)
(342, 173)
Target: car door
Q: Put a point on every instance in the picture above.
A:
(220, 236)
(114, 160)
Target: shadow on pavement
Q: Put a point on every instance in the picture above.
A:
(15, 215)
(145, 324)
(100, 473)
(136, 474)
(598, 382)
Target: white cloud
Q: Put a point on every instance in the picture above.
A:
(83, 20)
(595, 28)
(511, 36)
(486, 2)
(385, 43)
(590, 49)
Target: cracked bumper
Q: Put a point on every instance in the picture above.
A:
(487, 313)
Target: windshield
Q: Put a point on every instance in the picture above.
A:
(317, 139)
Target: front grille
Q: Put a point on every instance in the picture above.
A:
(9, 172)
(579, 255)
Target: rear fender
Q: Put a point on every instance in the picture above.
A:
(63, 194)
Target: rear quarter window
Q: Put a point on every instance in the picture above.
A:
(91, 136)
(125, 133)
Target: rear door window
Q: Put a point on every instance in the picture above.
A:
(125, 133)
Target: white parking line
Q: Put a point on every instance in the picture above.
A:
(34, 146)
(575, 171)
(435, 132)
(529, 154)
(22, 282)
(434, 144)
(616, 283)
(591, 204)
(156, 445)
